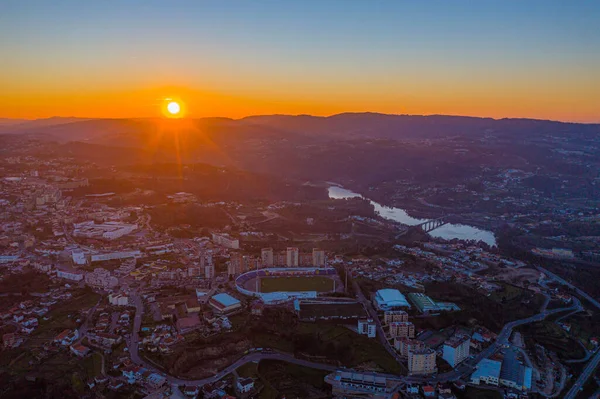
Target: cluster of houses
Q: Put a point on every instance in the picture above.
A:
(25, 316)
(160, 338)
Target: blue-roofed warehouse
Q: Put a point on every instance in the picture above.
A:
(388, 299)
(488, 372)
(513, 374)
(224, 303)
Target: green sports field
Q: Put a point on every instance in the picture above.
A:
(312, 283)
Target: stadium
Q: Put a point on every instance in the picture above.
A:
(274, 285)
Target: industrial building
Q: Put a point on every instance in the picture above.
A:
(105, 231)
(488, 372)
(353, 385)
(425, 304)
(514, 374)
(224, 303)
(390, 299)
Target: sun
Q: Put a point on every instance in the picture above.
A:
(173, 108)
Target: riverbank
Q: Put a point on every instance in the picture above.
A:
(447, 231)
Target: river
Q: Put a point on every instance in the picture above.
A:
(447, 231)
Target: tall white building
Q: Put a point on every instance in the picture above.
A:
(209, 271)
(456, 349)
(318, 257)
(266, 255)
(292, 257)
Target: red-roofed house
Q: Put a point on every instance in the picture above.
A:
(428, 391)
(79, 350)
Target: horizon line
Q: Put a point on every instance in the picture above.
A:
(83, 118)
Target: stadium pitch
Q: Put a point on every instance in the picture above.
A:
(295, 284)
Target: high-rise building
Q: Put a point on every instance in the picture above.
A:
(456, 349)
(318, 257)
(266, 256)
(421, 361)
(279, 258)
(395, 315)
(292, 257)
(209, 271)
(405, 345)
(402, 329)
(235, 266)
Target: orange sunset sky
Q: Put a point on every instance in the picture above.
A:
(233, 59)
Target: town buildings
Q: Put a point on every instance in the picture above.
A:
(101, 278)
(318, 257)
(266, 256)
(394, 315)
(106, 231)
(421, 361)
(225, 240)
(224, 303)
(390, 299)
(292, 257)
(513, 374)
(367, 327)
(405, 345)
(118, 299)
(456, 349)
(402, 329)
(488, 372)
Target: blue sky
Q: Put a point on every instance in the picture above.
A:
(303, 51)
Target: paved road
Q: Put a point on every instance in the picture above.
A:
(82, 330)
(132, 345)
(587, 372)
(465, 368)
(593, 363)
(373, 315)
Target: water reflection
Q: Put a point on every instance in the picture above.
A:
(447, 231)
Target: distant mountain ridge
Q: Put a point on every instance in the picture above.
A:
(341, 126)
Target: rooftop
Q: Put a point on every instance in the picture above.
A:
(226, 299)
(487, 368)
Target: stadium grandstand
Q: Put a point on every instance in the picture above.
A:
(252, 283)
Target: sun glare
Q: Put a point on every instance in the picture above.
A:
(173, 108)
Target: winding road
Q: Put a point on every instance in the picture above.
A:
(464, 369)
(593, 363)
